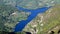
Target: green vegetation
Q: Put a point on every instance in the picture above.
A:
(52, 20)
(3, 32)
(10, 16)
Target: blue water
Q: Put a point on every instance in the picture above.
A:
(20, 26)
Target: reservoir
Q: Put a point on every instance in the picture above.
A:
(20, 26)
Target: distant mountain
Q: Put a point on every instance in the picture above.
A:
(31, 4)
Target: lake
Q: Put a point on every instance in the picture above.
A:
(20, 26)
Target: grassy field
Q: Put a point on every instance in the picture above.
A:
(52, 20)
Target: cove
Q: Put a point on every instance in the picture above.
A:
(20, 26)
